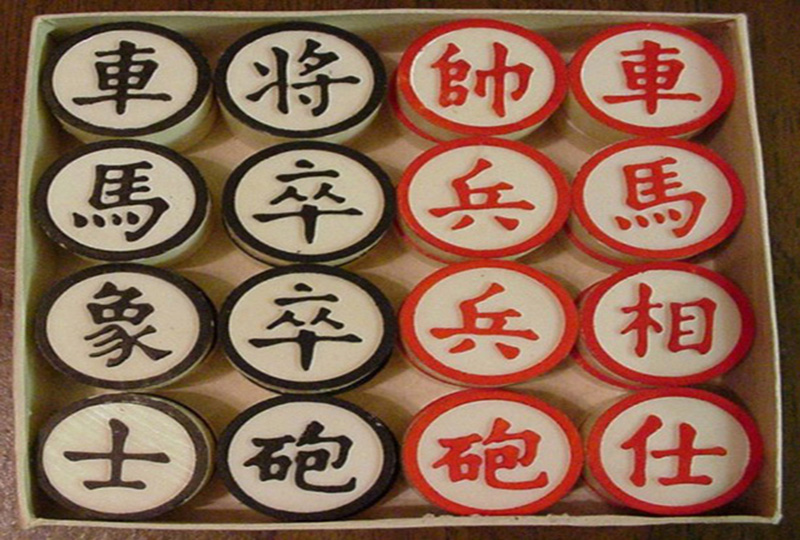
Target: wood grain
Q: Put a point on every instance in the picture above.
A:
(775, 31)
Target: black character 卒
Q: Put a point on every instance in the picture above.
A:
(306, 339)
(309, 211)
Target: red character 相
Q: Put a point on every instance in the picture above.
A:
(680, 315)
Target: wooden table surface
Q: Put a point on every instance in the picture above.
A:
(775, 37)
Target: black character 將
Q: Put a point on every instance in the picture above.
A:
(312, 61)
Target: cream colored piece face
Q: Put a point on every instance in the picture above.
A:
(482, 198)
(125, 79)
(360, 461)
(468, 56)
(651, 78)
(658, 198)
(659, 426)
(693, 325)
(345, 197)
(90, 325)
(533, 321)
(121, 200)
(161, 458)
(501, 488)
(273, 80)
(266, 321)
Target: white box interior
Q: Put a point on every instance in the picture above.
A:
(219, 393)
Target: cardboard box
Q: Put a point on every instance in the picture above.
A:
(219, 393)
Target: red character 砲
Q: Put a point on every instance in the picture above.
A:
(471, 318)
(454, 72)
(648, 187)
(520, 451)
(680, 315)
(482, 198)
(650, 75)
(685, 453)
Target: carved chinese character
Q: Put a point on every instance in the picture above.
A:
(116, 459)
(306, 339)
(454, 72)
(520, 451)
(650, 75)
(124, 76)
(684, 454)
(471, 199)
(113, 339)
(649, 186)
(314, 455)
(490, 323)
(678, 316)
(313, 61)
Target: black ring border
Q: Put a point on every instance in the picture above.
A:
(177, 411)
(206, 337)
(41, 213)
(363, 373)
(235, 228)
(204, 81)
(372, 105)
(384, 483)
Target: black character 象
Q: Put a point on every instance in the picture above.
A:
(113, 339)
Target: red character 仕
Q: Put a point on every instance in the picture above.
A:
(685, 453)
(453, 73)
(472, 325)
(483, 198)
(684, 318)
(521, 451)
(648, 186)
(650, 75)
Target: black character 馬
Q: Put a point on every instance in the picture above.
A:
(309, 213)
(124, 76)
(312, 61)
(116, 458)
(116, 187)
(115, 341)
(317, 460)
(306, 339)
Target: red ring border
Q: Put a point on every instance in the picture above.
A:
(726, 229)
(588, 311)
(423, 419)
(562, 207)
(406, 91)
(595, 466)
(409, 337)
(727, 92)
